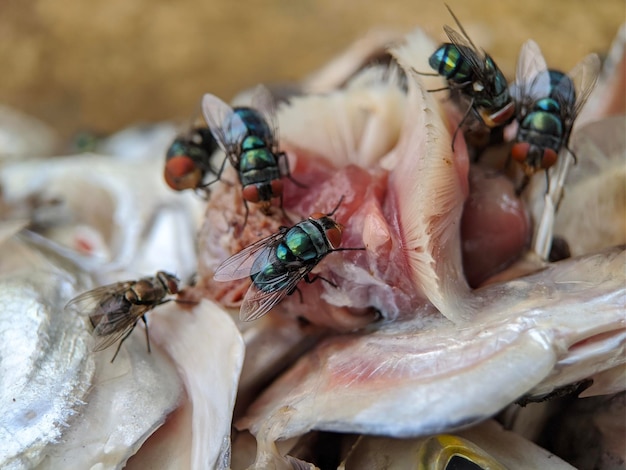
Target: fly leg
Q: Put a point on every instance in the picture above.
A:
(360, 248)
(283, 167)
(311, 280)
(295, 289)
(218, 175)
(439, 89)
(451, 85)
(143, 317)
(245, 217)
(124, 339)
(571, 152)
(285, 216)
(522, 186)
(427, 74)
(465, 116)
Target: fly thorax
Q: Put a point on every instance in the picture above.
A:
(255, 123)
(500, 85)
(562, 88)
(198, 154)
(146, 292)
(204, 137)
(501, 96)
(178, 147)
(492, 92)
(132, 296)
(300, 243)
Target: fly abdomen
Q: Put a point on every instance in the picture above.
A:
(266, 279)
(259, 175)
(449, 62)
(145, 292)
(107, 309)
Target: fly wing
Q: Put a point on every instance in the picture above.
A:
(110, 314)
(250, 260)
(226, 126)
(584, 75)
(258, 301)
(88, 303)
(264, 102)
(476, 58)
(115, 325)
(532, 79)
(463, 40)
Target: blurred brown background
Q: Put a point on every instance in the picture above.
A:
(101, 65)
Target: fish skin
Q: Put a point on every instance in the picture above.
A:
(520, 342)
(57, 396)
(45, 366)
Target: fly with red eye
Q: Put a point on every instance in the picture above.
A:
(249, 138)
(548, 102)
(188, 160)
(276, 264)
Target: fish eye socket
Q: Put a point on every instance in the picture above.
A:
(455, 453)
(458, 462)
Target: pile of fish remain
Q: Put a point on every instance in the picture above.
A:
(415, 280)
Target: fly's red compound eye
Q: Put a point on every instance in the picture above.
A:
(519, 151)
(182, 173)
(500, 117)
(172, 286)
(317, 216)
(333, 235)
(169, 281)
(549, 158)
(277, 188)
(251, 193)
